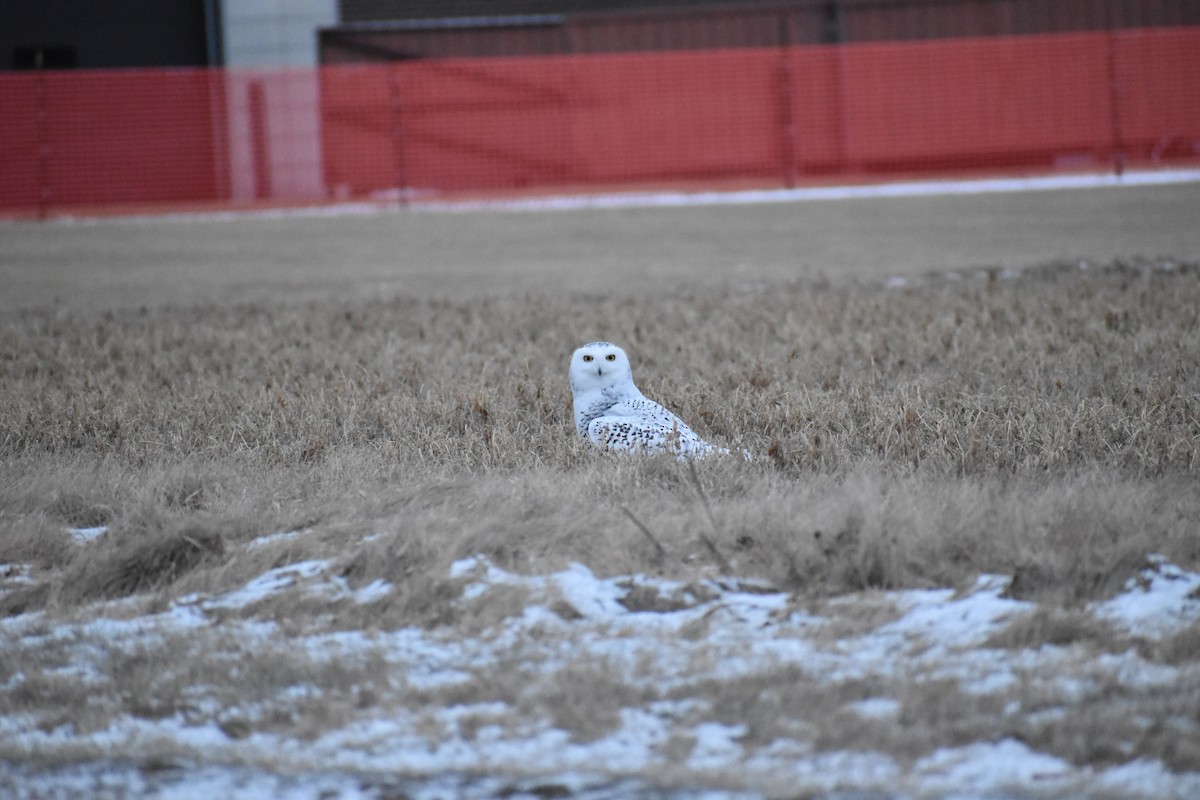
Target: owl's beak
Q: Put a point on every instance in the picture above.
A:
(600, 371)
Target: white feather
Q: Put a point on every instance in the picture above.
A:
(612, 413)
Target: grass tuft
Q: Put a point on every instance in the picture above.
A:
(142, 561)
(1059, 627)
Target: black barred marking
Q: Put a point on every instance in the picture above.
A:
(640, 424)
(594, 411)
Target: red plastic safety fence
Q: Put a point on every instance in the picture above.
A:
(75, 142)
(79, 138)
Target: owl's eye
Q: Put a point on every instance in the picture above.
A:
(611, 357)
(587, 358)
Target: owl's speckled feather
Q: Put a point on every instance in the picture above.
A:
(613, 414)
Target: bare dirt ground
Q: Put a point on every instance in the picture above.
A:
(115, 263)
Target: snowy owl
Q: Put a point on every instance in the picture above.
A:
(613, 414)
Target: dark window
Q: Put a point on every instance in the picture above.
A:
(43, 57)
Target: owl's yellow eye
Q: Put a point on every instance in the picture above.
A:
(587, 358)
(611, 357)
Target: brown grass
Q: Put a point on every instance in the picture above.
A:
(1044, 427)
(247, 685)
(1059, 627)
(1115, 723)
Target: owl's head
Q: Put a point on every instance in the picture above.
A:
(599, 365)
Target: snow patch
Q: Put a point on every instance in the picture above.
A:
(662, 636)
(269, 583)
(987, 767)
(927, 188)
(1149, 777)
(948, 619)
(85, 535)
(716, 746)
(1159, 601)
(312, 576)
(877, 707)
(274, 538)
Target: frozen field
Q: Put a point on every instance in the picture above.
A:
(291, 505)
(511, 709)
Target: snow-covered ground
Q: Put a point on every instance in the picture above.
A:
(504, 707)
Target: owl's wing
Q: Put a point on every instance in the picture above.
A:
(642, 424)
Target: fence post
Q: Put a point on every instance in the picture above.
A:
(787, 119)
(218, 115)
(260, 146)
(786, 100)
(1114, 102)
(43, 169)
(843, 107)
(396, 118)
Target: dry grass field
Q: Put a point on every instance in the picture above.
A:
(934, 389)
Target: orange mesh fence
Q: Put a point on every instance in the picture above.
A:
(1156, 93)
(101, 137)
(79, 141)
(977, 102)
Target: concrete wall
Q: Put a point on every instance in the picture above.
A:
(274, 120)
(274, 33)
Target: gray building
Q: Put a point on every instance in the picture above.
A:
(104, 34)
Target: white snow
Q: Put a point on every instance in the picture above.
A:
(877, 707)
(665, 636)
(947, 619)
(267, 584)
(275, 538)
(1149, 778)
(924, 188)
(312, 575)
(1160, 600)
(989, 767)
(85, 535)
